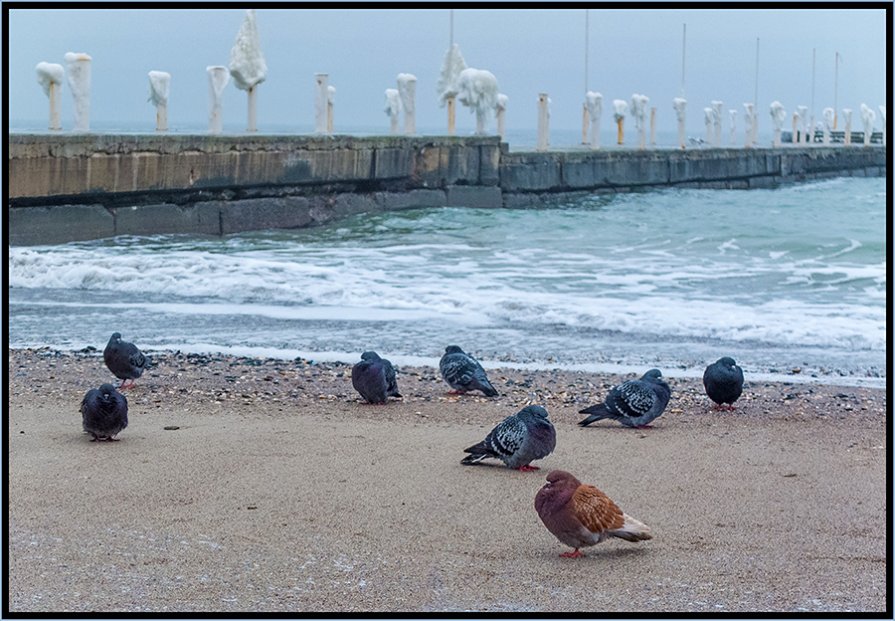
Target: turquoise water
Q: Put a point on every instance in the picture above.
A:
(779, 279)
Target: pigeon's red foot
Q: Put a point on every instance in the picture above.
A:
(575, 554)
(528, 468)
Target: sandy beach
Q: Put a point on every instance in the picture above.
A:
(266, 485)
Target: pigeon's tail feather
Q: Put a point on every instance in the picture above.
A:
(597, 412)
(488, 389)
(632, 530)
(478, 452)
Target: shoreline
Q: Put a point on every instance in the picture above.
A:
(246, 484)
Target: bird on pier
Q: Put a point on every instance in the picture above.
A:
(104, 412)
(723, 381)
(463, 373)
(124, 360)
(634, 403)
(517, 440)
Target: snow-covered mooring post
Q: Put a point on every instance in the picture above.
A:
(218, 78)
(159, 88)
(680, 110)
(247, 65)
(321, 95)
(49, 76)
(77, 72)
(543, 121)
(639, 104)
(407, 91)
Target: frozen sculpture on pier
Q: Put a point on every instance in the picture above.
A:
(448, 84)
(639, 106)
(49, 76)
(868, 116)
(680, 110)
(778, 115)
(477, 90)
(77, 72)
(159, 88)
(407, 92)
(593, 101)
(218, 78)
(393, 108)
(247, 66)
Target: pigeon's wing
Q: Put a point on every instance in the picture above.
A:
(458, 369)
(631, 399)
(507, 437)
(595, 510)
(391, 378)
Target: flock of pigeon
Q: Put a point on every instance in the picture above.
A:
(578, 514)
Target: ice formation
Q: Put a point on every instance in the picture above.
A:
(778, 115)
(868, 116)
(621, 107)
(732, 113)
(543, 122)
(247, 65)
(802, 113)
(77, 72)
(393, 107)
(321, 96)
(49, 76)
(751, 124)
(159, 88)
(594, 102)
(218, 78)
(451, 68)
(330, 107)
(829, 118)
(709, 125)
(501, 109)
(407, 91)
(846, 113)
(680, 110)
(639, 105)
(477, 89)
(717, 109)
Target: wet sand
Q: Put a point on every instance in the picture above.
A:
(280, 491)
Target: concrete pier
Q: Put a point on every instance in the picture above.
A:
(87, 186)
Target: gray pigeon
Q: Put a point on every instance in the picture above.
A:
(124, 360)
(517, 440)
(634, 403)
(463, 372)
(723, 381)
(104, 412)
(374, 378)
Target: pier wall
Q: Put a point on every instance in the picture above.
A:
(86, 186)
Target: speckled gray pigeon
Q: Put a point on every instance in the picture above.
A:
(723, 381)
(463, 372)
(124, 360)
(517, 440)
(374, 378)
(104, 412)
(634, 403)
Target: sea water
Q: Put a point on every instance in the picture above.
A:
(783, 280)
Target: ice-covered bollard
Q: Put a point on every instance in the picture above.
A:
(77, 72)
(802, 112)
(795, 126)
(829, 118)
(407, 91)
(500, 109)
(49, 76)
(159, 88)
(882, 113)
(749, 121)
(393, 108)
(621, 107)
(680, 110)
(846, 112)
(594, 102)
(778, 115)
(218, 78)
(447, 87)
(477, 89)
(321, 95)
(330, 108)
(868, 116)
(639, 104)
(709, 116)
(717, 110)
(247, 65)
(543, 122)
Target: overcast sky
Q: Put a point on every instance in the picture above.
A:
(529, 51)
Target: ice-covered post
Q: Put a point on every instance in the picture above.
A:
(159, 88)
(585, 122)
(717, 109)
(49, 76)
(846, 112)
(749, 120)
(247, 65)
(778, 115)
(477, 89)
(407, 91)
(330, 108)
(680, 110)
(321, 95)
(709, 115)
(639, 104)
(451, 68)
(868, 116)
(393, 108)
(621, 107)
(594, 103)
(500, 109)
(732, 113)
(77, 72)
(543, 121)
(882, 113)
(795, 126)
(829, 118)
(652, 125)
(218, 78)
(802, 112)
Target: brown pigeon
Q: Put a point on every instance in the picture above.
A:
(580, 515)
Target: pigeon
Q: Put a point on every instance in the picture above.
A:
(517, 440)
(374, 378)
(723, 381)
(580, 515)
(634, 403)
(104, 412)
(463, 372)
(124, 360)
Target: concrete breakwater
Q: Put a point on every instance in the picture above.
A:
(87, 186)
